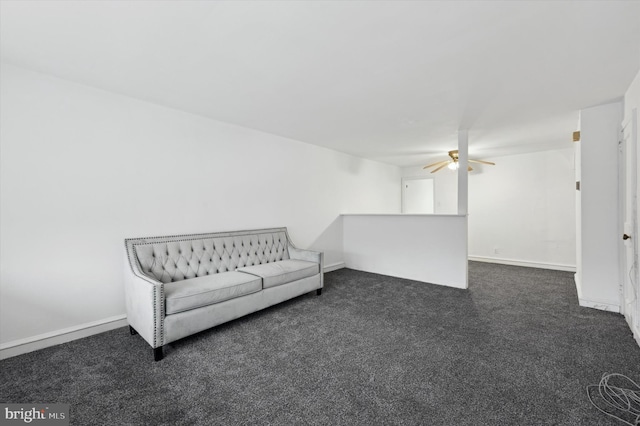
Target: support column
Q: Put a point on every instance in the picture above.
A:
(463, 175)
(463, 193)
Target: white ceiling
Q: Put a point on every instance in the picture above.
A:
(387, 80)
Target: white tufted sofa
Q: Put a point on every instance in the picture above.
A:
(179, 285)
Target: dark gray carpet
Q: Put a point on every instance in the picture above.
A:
(513, 349)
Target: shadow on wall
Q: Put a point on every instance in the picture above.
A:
(26, 313)
(330, 242)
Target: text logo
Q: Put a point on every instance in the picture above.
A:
(35, 414)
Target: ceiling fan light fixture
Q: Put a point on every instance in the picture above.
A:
(453, 163)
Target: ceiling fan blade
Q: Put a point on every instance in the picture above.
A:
(446, 163)
(436, 164)
(482, 162)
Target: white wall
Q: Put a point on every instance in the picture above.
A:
(524, 207)
(632, 98)
(578, 203)
(523, 210)
(599, 277)
(82, 169)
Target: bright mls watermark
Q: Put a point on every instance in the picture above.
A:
(34, 414)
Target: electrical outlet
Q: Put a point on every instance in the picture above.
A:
(496, 250)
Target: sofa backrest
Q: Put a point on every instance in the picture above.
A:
(175, 258)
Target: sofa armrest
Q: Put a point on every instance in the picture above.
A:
(144, 303)
(309, 256)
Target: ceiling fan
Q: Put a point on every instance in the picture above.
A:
(453, 163)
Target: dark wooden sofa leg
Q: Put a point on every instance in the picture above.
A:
(132, 331)
(319, 292)
(157, 354)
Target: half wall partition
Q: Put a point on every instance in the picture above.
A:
(428, 248)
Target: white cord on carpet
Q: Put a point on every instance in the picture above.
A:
(626, 400)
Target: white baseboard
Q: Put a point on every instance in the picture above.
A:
(334, 266)
(526, 263)
(603, 306)
(30, 344)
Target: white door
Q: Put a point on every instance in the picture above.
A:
(630, 305)
(417, 196)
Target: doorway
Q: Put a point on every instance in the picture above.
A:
(418, 195)
(629, 304)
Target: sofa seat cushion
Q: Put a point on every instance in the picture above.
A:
(282, 272)
(209, 289)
